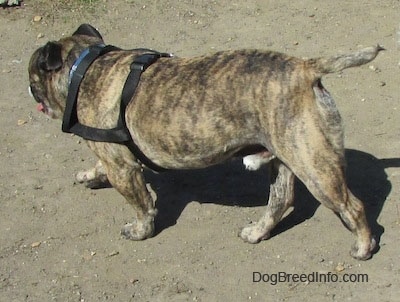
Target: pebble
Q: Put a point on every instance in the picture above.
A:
(339, 267)
(113, 253)
(21, 122)
(88, 255)
(36, 244)
(37, 18)
(38, 187)
(374, 68)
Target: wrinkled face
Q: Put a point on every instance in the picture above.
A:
(40, 79)
(49, 68)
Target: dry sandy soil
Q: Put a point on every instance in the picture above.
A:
(60, 241)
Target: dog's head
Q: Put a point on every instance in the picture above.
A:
(50, 65)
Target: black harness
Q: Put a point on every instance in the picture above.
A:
(120, 134)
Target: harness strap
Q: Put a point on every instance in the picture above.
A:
(137, 67)
(120, 134)
(71, 123)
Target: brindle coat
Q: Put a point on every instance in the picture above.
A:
(195, 112)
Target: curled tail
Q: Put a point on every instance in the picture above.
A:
(337, 63)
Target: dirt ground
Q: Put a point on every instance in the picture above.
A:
(60, 241)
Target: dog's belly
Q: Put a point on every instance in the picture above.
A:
(179, 144)
(191, 152)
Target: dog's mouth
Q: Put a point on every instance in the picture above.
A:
(41, 107)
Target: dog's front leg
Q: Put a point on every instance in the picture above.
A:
(281, 197)
(133, 187)
(126, 175)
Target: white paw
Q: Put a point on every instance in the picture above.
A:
(251, 162)
(253, 233)
(255, 161)
(84, 176)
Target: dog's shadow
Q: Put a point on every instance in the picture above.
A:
(230, 184)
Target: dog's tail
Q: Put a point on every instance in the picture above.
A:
(337, 63)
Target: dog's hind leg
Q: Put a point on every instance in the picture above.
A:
(334, 194)
(324, 177)
(353, 215)
(280, 199)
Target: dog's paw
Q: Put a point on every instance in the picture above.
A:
(251, 162)
(253, 233)
(85, 176)
(138, 230)
(363, 252)
(255, 161)
(92, 180)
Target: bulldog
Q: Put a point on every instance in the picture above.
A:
(189, 113)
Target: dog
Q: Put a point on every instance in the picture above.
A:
(190, 113)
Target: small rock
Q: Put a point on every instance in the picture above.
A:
(339, 267)
(112, 254)
(374, 68)
(40, 35)
(36, 244)
(21, 122)
(38, 187)
(37, 18)
(88, 255)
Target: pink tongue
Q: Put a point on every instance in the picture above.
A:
(40, 107)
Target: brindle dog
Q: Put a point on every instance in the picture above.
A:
(195, 112)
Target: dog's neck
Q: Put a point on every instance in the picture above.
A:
(76, 74)
(81, 58)
(119, 134)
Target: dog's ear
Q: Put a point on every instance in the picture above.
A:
(50, 57)
(87, 30)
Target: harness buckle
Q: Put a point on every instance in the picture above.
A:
(137, 66)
